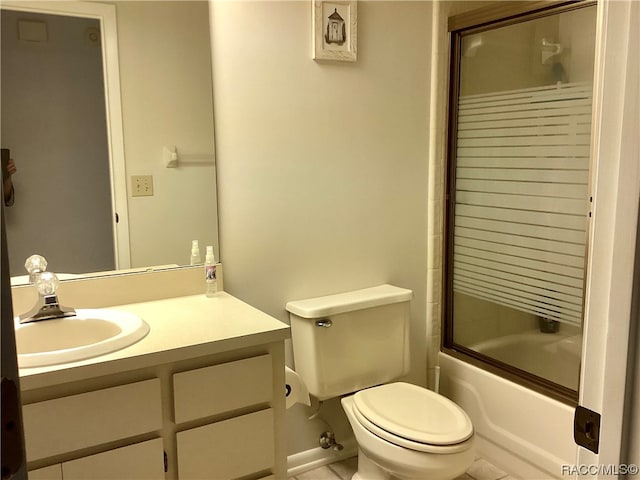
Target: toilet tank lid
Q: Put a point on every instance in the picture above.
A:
(319, 307)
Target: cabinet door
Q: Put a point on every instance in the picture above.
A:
(141, 461)
(229, 449)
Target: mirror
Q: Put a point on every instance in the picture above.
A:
(96, 97)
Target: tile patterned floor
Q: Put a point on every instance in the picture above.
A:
(479, 470)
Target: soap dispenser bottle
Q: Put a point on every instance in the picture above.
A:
(195, 253)
(210, 273)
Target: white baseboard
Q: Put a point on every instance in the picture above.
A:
(316, 457)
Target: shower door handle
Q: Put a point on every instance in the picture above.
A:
(586, 428)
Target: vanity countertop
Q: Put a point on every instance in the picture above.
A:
(181, 328)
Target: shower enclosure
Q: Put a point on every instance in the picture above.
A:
(519, 196)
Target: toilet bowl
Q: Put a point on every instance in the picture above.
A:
(407, 432)
(356, 344)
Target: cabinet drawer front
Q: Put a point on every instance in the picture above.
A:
(222, 388)
(142, 461)
(88, 419)
(229, 449)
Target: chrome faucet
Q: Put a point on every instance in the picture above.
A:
(47, 307)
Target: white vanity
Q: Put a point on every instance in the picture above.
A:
(200, 397)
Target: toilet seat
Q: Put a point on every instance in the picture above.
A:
(413, 417)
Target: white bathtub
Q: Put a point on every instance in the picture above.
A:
(554, 356)
(525, 433)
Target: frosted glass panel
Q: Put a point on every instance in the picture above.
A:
(522, 199)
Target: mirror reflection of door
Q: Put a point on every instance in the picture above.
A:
(54, 123)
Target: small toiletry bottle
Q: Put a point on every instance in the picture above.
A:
(210, 272)
(195, 253)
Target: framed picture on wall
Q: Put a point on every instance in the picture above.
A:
(335, 30)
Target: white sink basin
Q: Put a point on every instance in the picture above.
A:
(89, 333)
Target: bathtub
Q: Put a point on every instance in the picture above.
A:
(554, 356)
(519, 430)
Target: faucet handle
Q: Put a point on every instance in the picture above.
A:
(47, 283)
(35, 265)
(35, 262)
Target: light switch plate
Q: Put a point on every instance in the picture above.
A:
(141, 185)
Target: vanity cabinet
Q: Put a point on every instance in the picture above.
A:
(213, 417)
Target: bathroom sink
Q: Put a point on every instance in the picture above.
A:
(90, 333)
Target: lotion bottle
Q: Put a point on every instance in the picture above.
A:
(210, 273)
(195, 253)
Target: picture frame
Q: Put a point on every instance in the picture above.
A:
(335, 30)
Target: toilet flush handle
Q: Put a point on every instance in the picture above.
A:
(325, 322)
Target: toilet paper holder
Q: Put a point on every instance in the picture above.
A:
(295, 391)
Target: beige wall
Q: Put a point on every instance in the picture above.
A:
(322, 167)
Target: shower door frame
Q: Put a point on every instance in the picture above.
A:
(471, 23)
(612, 294)
(613, 282)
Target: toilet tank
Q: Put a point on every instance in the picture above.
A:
(349, 341)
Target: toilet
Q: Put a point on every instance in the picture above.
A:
(355, 345)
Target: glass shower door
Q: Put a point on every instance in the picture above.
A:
(519, 201)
